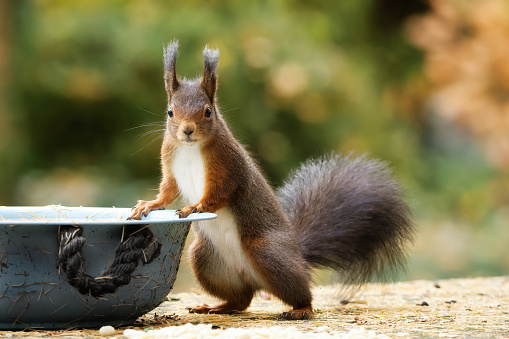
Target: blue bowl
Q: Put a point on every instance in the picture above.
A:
(57, 265)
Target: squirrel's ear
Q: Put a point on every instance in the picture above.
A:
(209, 81)
(170, 76)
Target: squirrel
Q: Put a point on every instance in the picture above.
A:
(341, 212)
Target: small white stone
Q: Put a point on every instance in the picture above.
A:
(106, 331)
(322, 329)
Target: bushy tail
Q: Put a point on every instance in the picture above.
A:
(349, 215)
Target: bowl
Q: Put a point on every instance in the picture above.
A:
(86, 267)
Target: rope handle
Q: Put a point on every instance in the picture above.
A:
(127, 255)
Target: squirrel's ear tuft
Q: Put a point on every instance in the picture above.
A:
(209, 81)
(170, 57)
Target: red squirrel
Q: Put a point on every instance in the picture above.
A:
(341, 212)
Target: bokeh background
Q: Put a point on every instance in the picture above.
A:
(422, 85)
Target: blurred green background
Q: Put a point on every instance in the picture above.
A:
(421, 85)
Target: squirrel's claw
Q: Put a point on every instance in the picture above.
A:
(185, 211)
(224, 308)
(199, 308)
(298, 314)
(143, 208)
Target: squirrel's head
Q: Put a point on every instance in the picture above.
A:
(192, 111)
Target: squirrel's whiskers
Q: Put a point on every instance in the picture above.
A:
(156, 134)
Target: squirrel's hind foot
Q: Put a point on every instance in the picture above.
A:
(303, 313)
(224, 308)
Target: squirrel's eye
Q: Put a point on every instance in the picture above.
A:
(208, 112)
(170, 113)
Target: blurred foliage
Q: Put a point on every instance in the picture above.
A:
(82, 103)
(466, 57)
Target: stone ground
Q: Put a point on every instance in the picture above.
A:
(457, 308)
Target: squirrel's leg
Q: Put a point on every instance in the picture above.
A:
(168, 192)
(214, 276)
(286, 276)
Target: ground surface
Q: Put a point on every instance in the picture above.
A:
(459, 308)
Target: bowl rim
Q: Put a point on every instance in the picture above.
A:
(38, 215)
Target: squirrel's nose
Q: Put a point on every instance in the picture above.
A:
(188, 131)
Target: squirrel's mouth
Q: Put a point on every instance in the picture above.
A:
(189, 141)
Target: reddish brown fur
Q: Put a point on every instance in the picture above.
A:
(340, 213)
(168, 188)
(234, 181)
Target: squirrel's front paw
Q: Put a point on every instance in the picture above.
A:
(185, 211)
(143, 208)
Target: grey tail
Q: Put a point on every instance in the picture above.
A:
(349, 215)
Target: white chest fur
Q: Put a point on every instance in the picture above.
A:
(189, 172)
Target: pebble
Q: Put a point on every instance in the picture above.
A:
(107, 331)
(322, 329)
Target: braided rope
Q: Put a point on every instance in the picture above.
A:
(127, 255)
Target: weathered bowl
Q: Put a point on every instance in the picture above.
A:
(41, 271)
